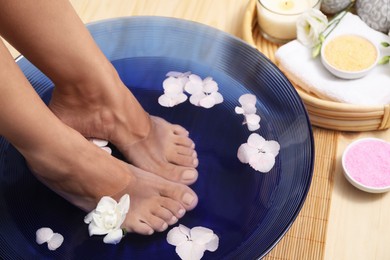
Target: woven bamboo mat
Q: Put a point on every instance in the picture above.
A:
(306, 237)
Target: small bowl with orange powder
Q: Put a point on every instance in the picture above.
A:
(349, 56)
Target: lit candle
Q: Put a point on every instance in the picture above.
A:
(277, 18)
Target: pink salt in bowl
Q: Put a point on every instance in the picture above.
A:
(366, 165)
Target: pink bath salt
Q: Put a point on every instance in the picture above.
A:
(368, 162)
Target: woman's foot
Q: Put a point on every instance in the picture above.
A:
(106, 109)
(82, 173)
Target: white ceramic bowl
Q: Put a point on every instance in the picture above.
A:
(345, 74)
(370, 151)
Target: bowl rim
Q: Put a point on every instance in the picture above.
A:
(353, 181)
(344, 73)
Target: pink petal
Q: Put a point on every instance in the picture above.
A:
(253, 127)
(256, 141)
(195, 79)
(249, 108)
(172, 85)
(193, 87)
(165, 101)
(252, 119)
(113, 237)
(207, 102)
(262, 162)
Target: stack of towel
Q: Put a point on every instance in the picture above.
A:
(296, 62)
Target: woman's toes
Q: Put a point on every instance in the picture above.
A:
(156, 223)
(140, 228)
(184, 160)
(189, 176)
(183, 141)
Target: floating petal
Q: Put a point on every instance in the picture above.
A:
(55, 242)
(201, 235)
(245, 152)
(272, 147)
(257, 141)
(253, 127)
(190, 251)
(210, 86)
(252, 119)
(43, 235)
(175, 74)
(262, 162)
(193, 87)
(247, 99)
(217, 97)
(239, 110)
(207, 102)
(196, 98)
(175, 236)
(213, 244)
(113, 237)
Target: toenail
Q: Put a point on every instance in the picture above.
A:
(188, 199)
(181, 212)
(195, 162)
(193, 146)
(173, 219)
(194, 154)
(164, 226)
(188, 175)
(150, 232)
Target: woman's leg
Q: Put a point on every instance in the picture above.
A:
(76, 169)
(89, 95)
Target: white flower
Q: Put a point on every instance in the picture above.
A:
(204, 93)
(191, 243)
(310, 25)
(173, 89)
(259, 153)
(46, 235)
(248, 109)
(102, 144)
(107, 218)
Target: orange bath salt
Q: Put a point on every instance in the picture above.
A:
(350, 53)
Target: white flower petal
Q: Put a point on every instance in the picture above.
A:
(195, 79)
(272, 147)
(239, 110)
(94, 229)
(185, 230)
(43, 235)
(255, 140)
(249, 108)
(262, 162)
(175, 236)
(99, 142)
(247, 99)
(113, 237)
(88, 218)
(210, 85)
(55, 242)
(124, 204)
(105, 204)
(201, 235)
(217, 97)
(253, 127)
(165, 101)
(213, 244)
(181, 98)
(207, 102)
(190, 251)
(172, 85)
(193, 87)
(252, 119)
(245, 152)
(309, 27)
(175, 74)
(196, 98)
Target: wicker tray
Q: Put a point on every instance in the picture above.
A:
(323, 113)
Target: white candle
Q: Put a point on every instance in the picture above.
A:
(277, 18)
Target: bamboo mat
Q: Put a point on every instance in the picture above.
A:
(306, 237)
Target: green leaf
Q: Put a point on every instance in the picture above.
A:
(316, 50)
(385, 44)
(384, 60)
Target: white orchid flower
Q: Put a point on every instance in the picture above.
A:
(173, 90)
(46, 235)
(107, 218)
(192, 243)
(259, 153)
(248, 109)
(310, 25)
(204, 93)
(103, 144)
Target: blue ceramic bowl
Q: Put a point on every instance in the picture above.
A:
(249, 211)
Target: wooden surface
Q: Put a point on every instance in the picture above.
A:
(357, 223)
